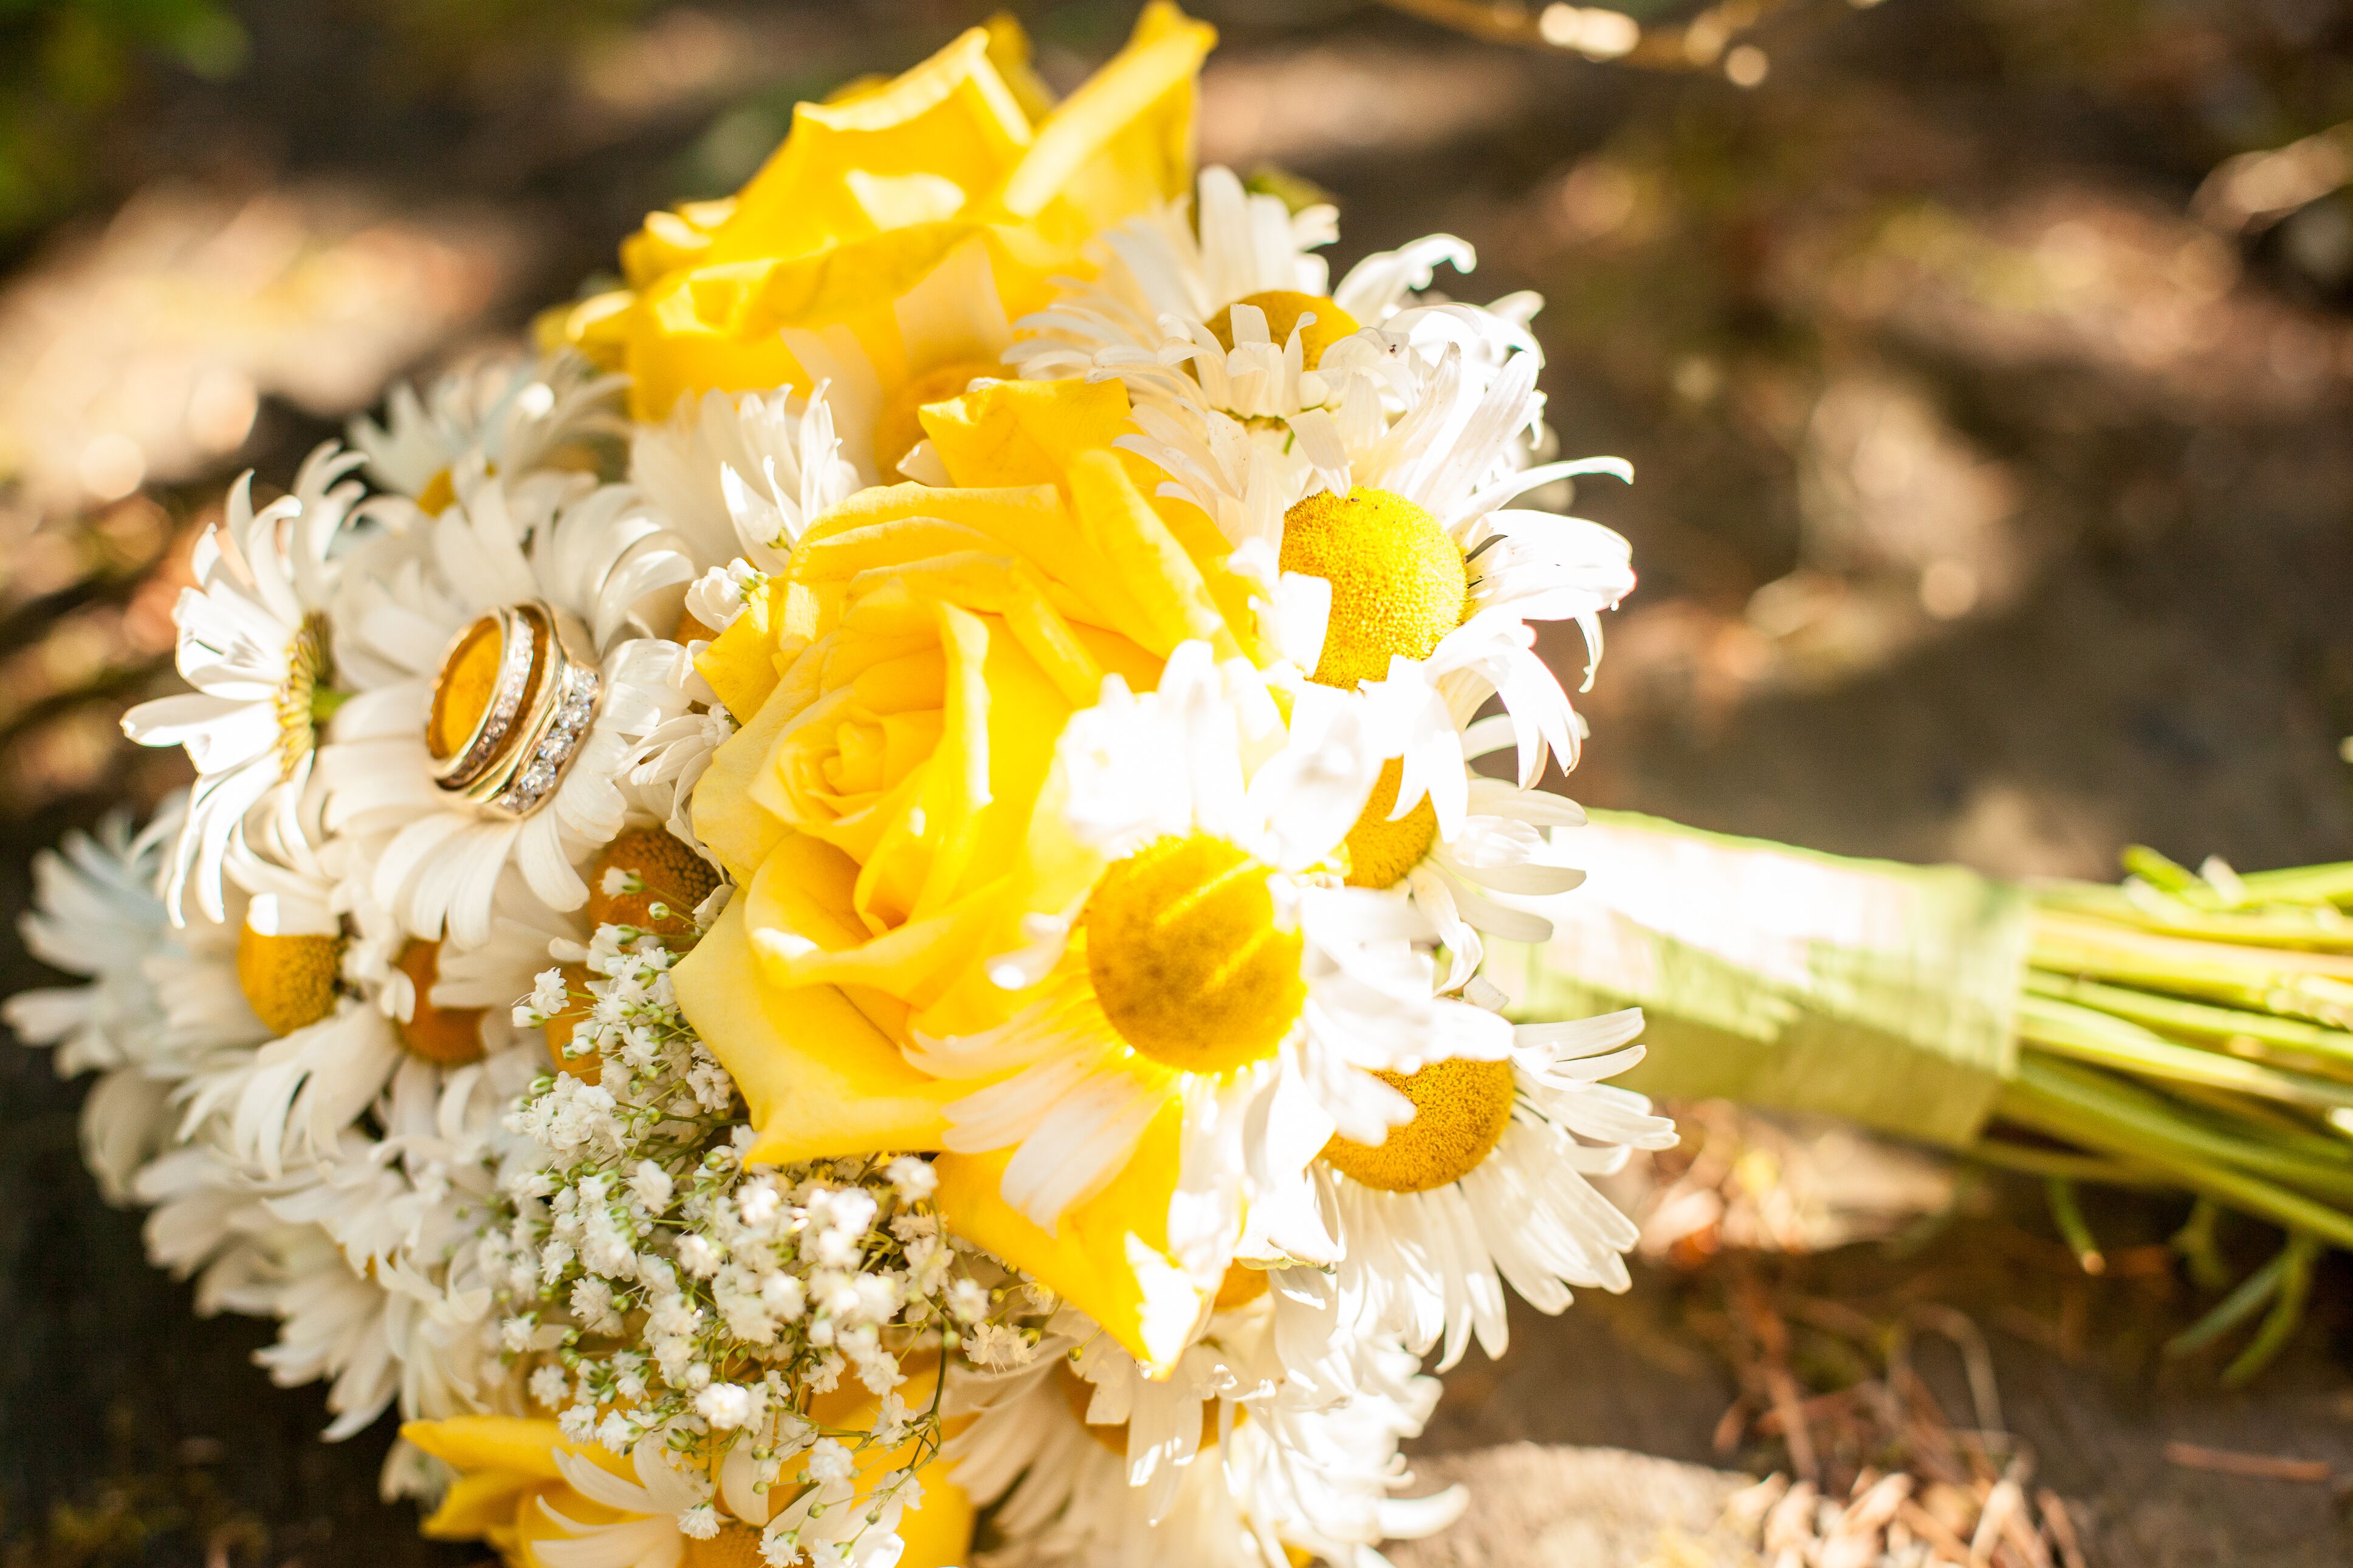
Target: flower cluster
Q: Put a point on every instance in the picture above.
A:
(764, 1297)
(859, 893)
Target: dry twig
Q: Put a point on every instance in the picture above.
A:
(1959, 1495)
(2262, 1466)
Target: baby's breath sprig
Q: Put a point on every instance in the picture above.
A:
(759, 1326)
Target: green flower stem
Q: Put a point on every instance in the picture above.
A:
(2199, 1133)
(2268, 1120)
(2091, 1110)
(2091, 1035)
(2302, 985)
(2321, 927)
(2330, 884)
(2244, 1301)
(2033, 1160)
(2286, 1314)
(2073, 1228)
(2310, 885)
(2198, 1241)
(2076, 944)
(2238, 1029)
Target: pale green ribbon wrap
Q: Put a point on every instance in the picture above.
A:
(1882, 992)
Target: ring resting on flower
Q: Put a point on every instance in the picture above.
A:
(515, 692)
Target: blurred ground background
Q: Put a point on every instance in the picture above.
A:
(1989, 390)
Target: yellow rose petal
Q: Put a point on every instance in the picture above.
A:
(686, 334)
(1025, 432)
(820, 1079)
(1008, 51)
(874, 190)
(951, 119)
(480, 1505)
(674, 239)
(740, 662)
(1108, 1255)
(1172, 600)
(896, 524)
(512, 1445)
(1123, 140)
(939, 1533)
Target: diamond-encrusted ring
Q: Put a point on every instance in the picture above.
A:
(515, 641)
(556, 701)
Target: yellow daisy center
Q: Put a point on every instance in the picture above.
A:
(289, 980)
(306, 698)
(898, 425)
(1459, 1112)
(1398, 581)
(1240, 1288)
(439, 494)
(670, 874)
(463, 688)
(1284, 308)
(1185, 956)
(735, 1546)
(1380, 852)
(452, 1037)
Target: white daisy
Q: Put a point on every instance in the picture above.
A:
(334, 1327)
(527, 621)
(205, 1221)
(254, 640)
(209, 1022)
(1236, 316)
(1429, 578)
(1486, 1185)
(820, 1492)
(1492, 837)
(404, 1209)
(289, 1020)
(402, 1014)
(366, 1254)
(1262, 1487)
(96, 913)
(667, 765)
(211, 1220)
(738, 478)
(1166, 1422)
(508, 415)
(1204, 957)
(175, 1014)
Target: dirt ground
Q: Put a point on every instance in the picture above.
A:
(1990, 506)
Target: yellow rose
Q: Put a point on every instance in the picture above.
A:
(902, 689)
(903, 692)
(960, 164)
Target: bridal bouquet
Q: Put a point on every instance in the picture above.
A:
(840, 921)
